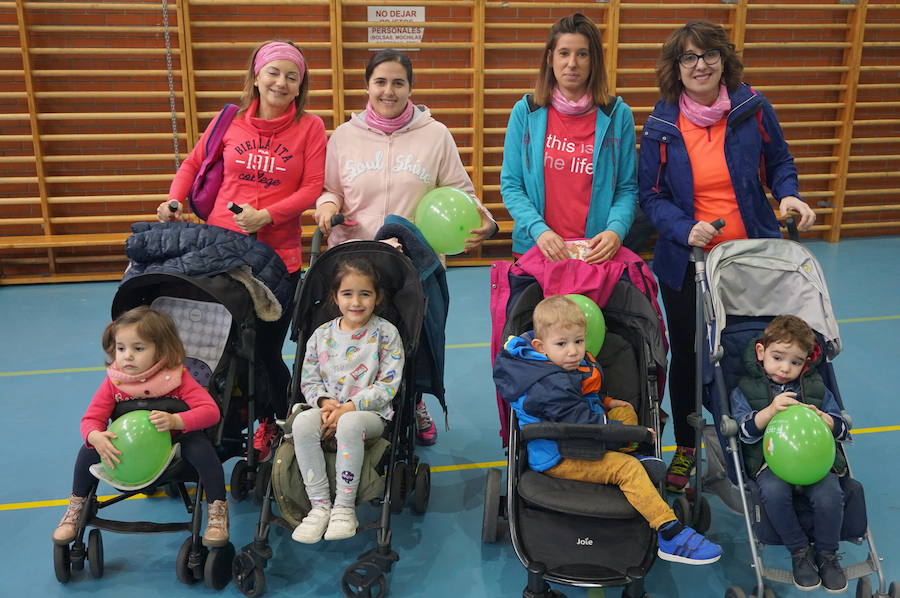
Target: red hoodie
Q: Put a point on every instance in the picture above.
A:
(277, 165)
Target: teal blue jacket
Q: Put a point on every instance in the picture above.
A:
(614, 190)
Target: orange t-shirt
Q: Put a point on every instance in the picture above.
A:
(713, 192)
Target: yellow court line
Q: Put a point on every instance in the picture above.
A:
(441, 468)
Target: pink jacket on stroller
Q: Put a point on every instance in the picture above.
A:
(595, 281)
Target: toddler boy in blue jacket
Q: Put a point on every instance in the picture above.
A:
(547, 376)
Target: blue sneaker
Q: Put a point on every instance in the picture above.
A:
(688, 547)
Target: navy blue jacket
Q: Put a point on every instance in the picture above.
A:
(541, 391)
(666, 189)
(203, 250)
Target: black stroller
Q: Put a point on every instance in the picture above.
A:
(399, 471)
(216, 317)
(572, 532)
(746, 284)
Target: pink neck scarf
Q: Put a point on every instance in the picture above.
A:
(278, 51)
(272, 126)
(567, 106)
(389, 125)
(705, 116)
(153, 383)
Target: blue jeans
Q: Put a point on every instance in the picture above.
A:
(826, 498)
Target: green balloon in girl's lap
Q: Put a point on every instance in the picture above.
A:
(445, 216)
(144, 449)
(798, 446)
(596, 323)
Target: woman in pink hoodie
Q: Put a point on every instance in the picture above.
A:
(274, 157)
(383, 160)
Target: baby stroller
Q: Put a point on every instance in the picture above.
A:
(391, 470)
(566, 531)
(215, 317)
(746, 284)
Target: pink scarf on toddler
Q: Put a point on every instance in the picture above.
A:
(152, 383)
(389, 125)
(705, 116)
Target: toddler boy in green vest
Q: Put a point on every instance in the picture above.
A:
(780, 372)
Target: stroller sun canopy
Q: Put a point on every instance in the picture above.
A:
(769, 277)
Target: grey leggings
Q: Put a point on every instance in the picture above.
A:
(352, 430)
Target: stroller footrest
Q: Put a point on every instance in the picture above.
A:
(780, 575)
(139, 527)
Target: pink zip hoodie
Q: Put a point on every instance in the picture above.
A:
(369, 174)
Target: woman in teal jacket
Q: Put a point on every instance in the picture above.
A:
(569, 160)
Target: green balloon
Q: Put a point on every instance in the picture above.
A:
(596, 323)
(145, 450)
(445, 216)
(798, 446)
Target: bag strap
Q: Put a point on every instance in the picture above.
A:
(765, 139)
(223, 121)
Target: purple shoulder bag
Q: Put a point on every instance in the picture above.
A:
(202, 195)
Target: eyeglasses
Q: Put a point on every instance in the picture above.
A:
(689, 60)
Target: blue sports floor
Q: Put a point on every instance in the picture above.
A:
(50, 365)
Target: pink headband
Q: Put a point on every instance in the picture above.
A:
(278, 51)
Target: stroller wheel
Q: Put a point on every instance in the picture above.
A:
(217, 571)
(239, 485)
(62, 566)
(894, 590)
(398, 487)
(489, 521)
(189, 563)
(364, 579)
(95, 553)
(735, 592)
(768, 592)
(864, 588)
(250, 579)
(684, 512)
(423, 488)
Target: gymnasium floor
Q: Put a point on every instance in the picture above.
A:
(49, 368)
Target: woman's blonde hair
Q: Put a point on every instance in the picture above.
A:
(596, 84)
(557, 311)
(251, 92)
(152, 326)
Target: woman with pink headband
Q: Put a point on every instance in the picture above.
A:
(274, 155)
(383, 160)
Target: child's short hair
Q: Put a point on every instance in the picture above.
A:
(792, 330)
(153, 326)
(356, 265)
(557, 310)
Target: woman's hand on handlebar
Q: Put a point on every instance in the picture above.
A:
(323, 216)
(807, 216)
(164, 212)
(250, 220)
(552, 246)
(702, 234)
(603, 247)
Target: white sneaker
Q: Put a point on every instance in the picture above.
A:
(343, 523)
(313, 526)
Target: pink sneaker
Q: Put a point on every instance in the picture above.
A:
(264, 438)
(426, 431)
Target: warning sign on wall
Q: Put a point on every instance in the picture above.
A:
(392, 34)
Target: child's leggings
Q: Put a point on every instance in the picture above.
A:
(352, 429)
(623, 471)
(196, 449)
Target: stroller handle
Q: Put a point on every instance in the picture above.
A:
(174, 204)
(316, 246)
(699, 256)
(236, 209)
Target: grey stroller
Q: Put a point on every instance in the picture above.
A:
(746, 284)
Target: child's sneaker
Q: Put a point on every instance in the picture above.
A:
(313, 526)
(806, 577)
(426, 431)
(216, 532)
(834, 580)
(65, 531)
(688, 547)
(680, 469)
(343, 523)
(264, 438)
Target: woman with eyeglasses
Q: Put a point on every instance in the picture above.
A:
(708, 149)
